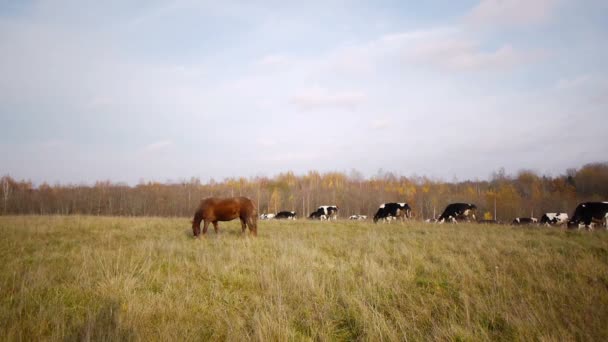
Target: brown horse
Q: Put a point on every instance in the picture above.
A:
(225, 209)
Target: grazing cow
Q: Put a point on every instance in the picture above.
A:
(286, 215)
(267, 216)
(524, 221)
(225, 209)
(325, 212)
(391, 211)
(358, 217)
(554, 219)
(458, 211)
(588, 213)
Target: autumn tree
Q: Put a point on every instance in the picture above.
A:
(503, 196)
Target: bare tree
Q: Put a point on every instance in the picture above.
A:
(6, 192)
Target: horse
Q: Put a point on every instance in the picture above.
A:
(225, 209)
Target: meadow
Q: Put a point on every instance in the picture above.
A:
(146, 279)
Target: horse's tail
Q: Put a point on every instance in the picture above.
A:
(252, 220)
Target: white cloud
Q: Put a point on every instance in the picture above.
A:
(284, 157)
(266, 142)
(585, 89)
(159, 145)
(123, 84)
(444, 48)
(469, 57)
(574, 82)
(273, 60)
(380, 123)
(318, 98)
(511, 12)
(454, 50)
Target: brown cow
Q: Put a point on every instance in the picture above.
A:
(225, 209)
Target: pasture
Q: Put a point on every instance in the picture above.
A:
(96, 278)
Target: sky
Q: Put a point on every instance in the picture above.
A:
(168, 90)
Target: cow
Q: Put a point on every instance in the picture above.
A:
(390, 211)
(524, 221)
(554, 218)
(325, 212)
(358, 217)
(588, 213)
(286, 215)
(267, 216)
(458, 211)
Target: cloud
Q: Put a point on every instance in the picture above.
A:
(459, 56)
(266, 142)
(319, 98)
(54, 143)
(454, 50)
(574, 82)
(380, 123)
(298, 156)
(115, 85)
(511, 12)
(273, 60)
(159, 145)
(585, 89)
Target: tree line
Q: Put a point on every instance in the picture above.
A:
(501, 197)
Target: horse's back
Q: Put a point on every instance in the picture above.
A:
(246, 204)
(227, 208)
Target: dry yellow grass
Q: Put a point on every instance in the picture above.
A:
(104, 278)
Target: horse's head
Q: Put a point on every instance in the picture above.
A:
(196, 222)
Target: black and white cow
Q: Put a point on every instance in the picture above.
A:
(458, 211)
(588, 213)
(286, 215)
(358, 217)
(267, 216)
(524, 221)
(554, 219)
(393, 211)
(325, 212)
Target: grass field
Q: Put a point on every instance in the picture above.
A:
(105, 278)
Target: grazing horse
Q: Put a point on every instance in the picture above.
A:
(225, 209)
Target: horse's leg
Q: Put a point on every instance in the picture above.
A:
(205, 226)
(243, 225)
(215, 226)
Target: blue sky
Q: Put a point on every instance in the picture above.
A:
(168, 90)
